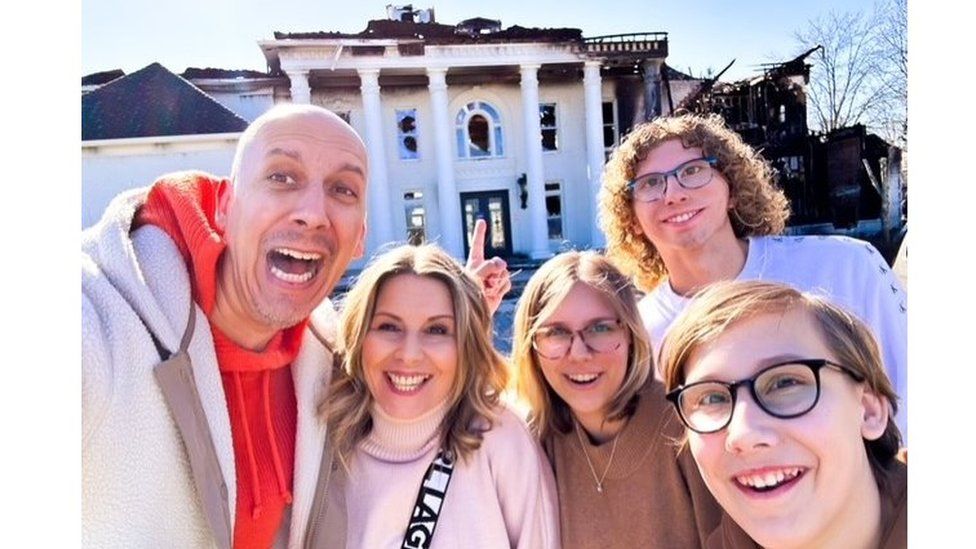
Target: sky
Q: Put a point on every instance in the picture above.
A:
(703, 34)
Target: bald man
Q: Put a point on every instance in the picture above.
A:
(206, 334)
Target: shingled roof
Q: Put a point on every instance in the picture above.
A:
(99, 78)
(192, 73)
(153, 102)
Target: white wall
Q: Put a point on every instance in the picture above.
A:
(247, 105)
(106, 174)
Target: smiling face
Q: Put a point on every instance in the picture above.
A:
(292, 223)
(584, 379)
(797, 482)
(684, 219)
(410, 352)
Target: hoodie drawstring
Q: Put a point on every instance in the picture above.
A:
(275, 456)
(256, 512)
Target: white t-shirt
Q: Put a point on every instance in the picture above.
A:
(850, 272)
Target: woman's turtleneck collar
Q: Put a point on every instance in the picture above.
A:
(400, 440)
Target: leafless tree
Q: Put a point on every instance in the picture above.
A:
(860, 73)
(891, 116)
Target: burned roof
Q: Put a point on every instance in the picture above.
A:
(674, 74)
(99, 78)
(153, 102)
(439, 34)
(194, 73)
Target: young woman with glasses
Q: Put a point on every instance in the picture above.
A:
(422, 453)
(788, 413)
(583, 366)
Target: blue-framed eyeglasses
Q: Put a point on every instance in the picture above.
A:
(693, 174)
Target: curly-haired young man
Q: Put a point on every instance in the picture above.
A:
(685, 202)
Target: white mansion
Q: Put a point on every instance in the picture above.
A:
(461, 121)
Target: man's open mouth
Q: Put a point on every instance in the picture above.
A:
(294, 266)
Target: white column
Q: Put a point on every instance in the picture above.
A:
(301, 92)
(593, 102)
(380, 222)
(448, 200)
(539, 248)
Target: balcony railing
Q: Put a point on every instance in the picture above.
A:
(654, 43)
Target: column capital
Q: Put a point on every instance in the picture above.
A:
(592, 64)
(436, 78)
(369, 80)
(301, 92)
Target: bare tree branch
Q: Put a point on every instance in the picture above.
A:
(860, 75)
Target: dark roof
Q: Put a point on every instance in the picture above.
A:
(675, 74)
(192, 73)
(153, 102)
(436, 33)
(99, 78)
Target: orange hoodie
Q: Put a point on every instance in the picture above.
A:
(258, 385)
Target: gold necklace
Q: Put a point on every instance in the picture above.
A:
(613, 450)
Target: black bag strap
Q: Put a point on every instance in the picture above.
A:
(430, 499)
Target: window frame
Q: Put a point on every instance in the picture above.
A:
(402, 135)
(462, 120)
(558, 193)
(554, 128)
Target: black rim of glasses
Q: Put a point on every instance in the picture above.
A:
(573, 334)
(814, 364)
(711, 160)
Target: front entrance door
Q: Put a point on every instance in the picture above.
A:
(492, 206)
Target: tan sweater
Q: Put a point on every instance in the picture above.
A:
(650, 498)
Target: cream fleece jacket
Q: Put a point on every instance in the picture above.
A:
(137, 488)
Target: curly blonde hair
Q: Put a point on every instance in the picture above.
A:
(760, 208)
(543, 294)
(482, 372)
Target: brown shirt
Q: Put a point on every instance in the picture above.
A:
(894, 518)
(652, 496)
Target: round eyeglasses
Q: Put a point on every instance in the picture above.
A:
(692, 174)
(784, 390)
(554, 342)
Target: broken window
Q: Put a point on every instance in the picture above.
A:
(547, 121)
(479, 131)
(407, 134)
(413, 203)
(554, 210)
(610, 133)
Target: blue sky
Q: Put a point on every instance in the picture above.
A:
(130, 34)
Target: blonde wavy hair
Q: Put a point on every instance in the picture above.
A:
(758, 206)
(724, 304)
(481, 371)
(543, 294)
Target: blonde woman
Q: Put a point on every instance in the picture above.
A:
(584, 367)
(789, 416)
(423, 453)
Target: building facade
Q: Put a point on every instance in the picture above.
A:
(472, 120)
(461, 122)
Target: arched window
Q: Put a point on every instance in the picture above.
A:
(479, 131)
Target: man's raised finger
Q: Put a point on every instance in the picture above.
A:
(476, 255)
